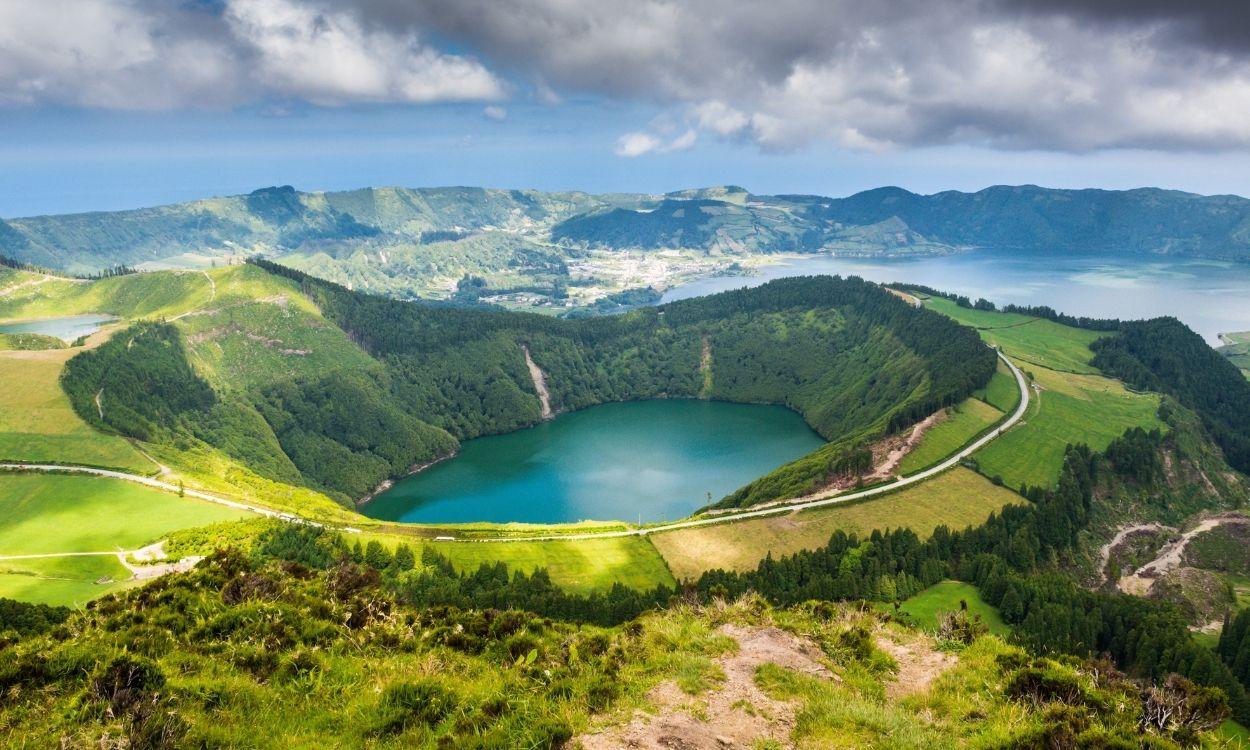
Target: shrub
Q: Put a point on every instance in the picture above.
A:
(406, 704)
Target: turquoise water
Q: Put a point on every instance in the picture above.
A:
(67, 329)
(1208, 296)
(644, 460)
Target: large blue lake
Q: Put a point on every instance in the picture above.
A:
(1211, 297)
(645, 460)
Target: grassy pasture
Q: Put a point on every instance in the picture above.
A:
(581, 566)
(956, 498)
(925, 607)
(37, 423)
(1070, 408)
(48, 513)
(65, 581)
(1036, 341)
(963, 423)
(1001, 392)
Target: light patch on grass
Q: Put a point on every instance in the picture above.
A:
(956, 498)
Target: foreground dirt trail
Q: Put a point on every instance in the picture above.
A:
(919, 664)
(735, 714)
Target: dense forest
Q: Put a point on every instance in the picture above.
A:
(853, 360)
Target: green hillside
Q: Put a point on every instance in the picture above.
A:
(550, 248)
(305, 382)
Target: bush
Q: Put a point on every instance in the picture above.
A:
(125, 681)
(407, 704)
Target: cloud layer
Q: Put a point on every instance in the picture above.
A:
(1018, 74)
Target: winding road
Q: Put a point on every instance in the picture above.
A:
(832, 499)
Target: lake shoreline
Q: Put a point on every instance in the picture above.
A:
(413, 470)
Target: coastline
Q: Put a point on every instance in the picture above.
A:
(386, 484)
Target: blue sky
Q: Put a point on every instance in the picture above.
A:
(142, 102)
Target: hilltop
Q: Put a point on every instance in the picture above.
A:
(578, 249)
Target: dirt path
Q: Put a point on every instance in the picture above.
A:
(919, 664)
(1169, 558)
(25, 284)
(540, 383)
(735, 714)
(142, 572)
(212, 296)
(1104, 552)
(705, 369)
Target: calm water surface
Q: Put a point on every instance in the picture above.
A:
(68, 328)
(1211, 297)
(648, 460)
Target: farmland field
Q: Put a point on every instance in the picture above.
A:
(963, 423)
(955, 498)
(37, 423)
(65, 581)
(1068, 409)
(47, 513)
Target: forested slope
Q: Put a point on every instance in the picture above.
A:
(849, 357)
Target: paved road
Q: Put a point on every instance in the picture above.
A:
(950, 462)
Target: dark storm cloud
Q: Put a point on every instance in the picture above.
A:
(1213, 24)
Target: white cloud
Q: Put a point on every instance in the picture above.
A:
(153, 54)
(495, 112)
(638, 143)
(330, 58)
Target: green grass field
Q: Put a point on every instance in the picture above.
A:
(1229, 735)
(141, 295)
(956, 498)
(962, 423)
(1001, 392)
(37, 423)
(580, 566)
(1070, 408)
(925, 607)
(64, 581)
(45, 513)
(1035, 341)
(975, 318)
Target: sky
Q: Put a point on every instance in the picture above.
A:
(110, 104)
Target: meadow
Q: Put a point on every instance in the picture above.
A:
(1071, 403)
(963, 422)
(50, 513)
(956, 498)
(1036, 341)
(924, 608)
(1067, 409)
(62, 581)
(38, 425)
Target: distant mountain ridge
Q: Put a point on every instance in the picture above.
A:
(281, 221)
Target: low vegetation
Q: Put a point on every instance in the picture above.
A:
(955, 498)
(959, 426)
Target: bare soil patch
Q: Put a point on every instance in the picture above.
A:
(737, 714)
